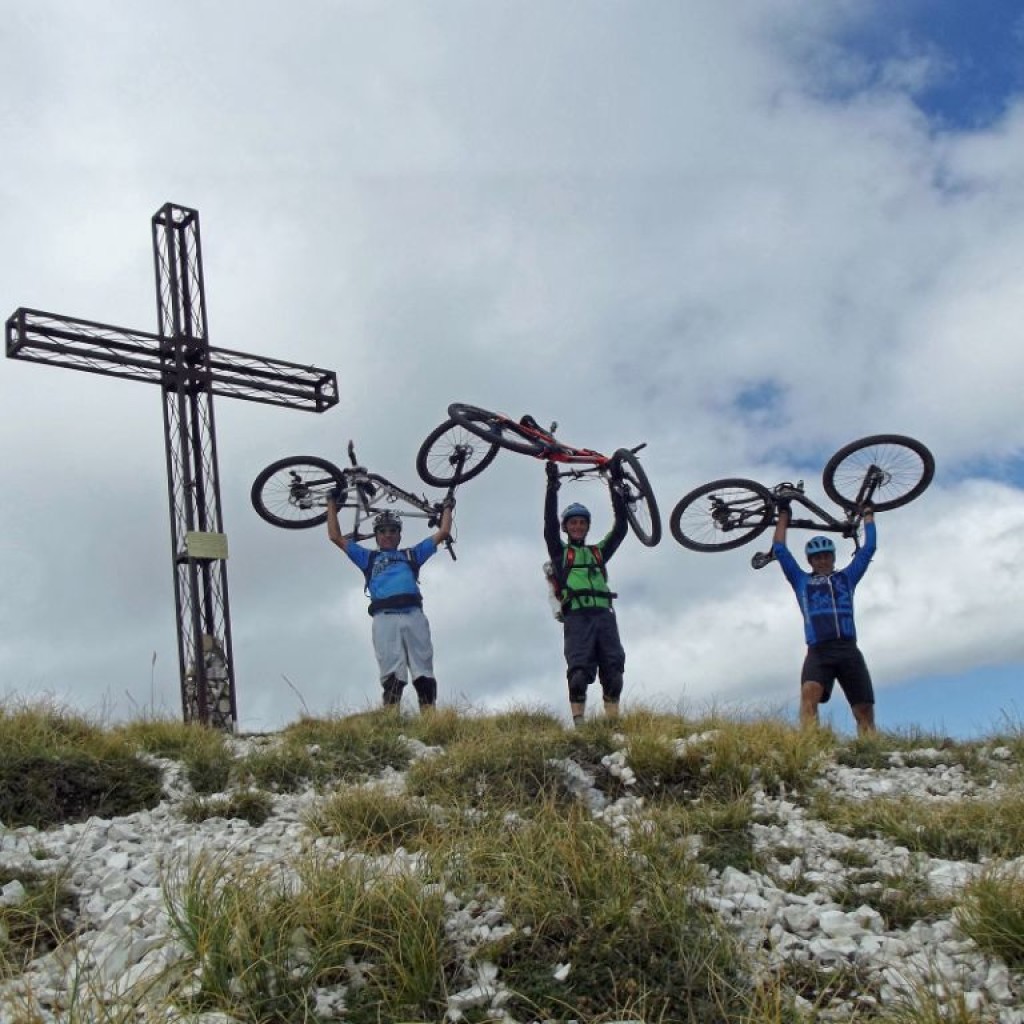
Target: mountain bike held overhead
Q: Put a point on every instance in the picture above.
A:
(469, 440)
(292, 493)
(884, 471)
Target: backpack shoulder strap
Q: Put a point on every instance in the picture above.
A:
(410, 557)
(368, 572)
(569, 560)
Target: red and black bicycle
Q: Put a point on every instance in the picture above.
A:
(468, 442)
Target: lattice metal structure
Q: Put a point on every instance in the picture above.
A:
(189, 372)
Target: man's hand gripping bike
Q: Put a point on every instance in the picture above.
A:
(292, 493)
(879, 472)
(467, 443)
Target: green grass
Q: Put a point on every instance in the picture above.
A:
(992, 913)
(321, 752)
(251, 805)
(956, 830)
(59, 767)
(35, 925)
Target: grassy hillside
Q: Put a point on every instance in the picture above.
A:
(447, 853)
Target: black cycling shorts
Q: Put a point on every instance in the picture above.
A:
(839, 660)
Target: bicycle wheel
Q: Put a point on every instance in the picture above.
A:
(451, 455)
(497, 429)
(641, 508)
(905, 466)
(721, 515)
(292, 493)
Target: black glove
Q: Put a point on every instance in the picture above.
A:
(337, 495)
(449, 502)
(782, 505)
(551, 469)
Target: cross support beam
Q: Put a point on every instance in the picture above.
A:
(39, 337)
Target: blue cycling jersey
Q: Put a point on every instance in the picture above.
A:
(392, 574)
(826, 602)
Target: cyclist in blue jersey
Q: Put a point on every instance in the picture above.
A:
(401, 632)
(825, 597)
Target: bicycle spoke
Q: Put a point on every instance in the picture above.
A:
(888, 470)
(641, 506)
(451, 455)
(721, 515)
(293, 493)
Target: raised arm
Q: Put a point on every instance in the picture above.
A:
(333, 526)
(620, 524)
(552, 535)
(781, 524)
(444, 530)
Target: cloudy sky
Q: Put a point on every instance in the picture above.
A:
(745, 233)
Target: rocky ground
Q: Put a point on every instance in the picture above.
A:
(117, 868)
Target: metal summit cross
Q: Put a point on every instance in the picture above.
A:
(189, 372)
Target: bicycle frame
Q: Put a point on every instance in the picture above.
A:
(848, 526)
(621, 470)
(877, 472)
(555, 450)
(374, 494)
(295, 493)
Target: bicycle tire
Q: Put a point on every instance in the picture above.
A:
(908, 467)
(497, 429)
(437, 459)
(749, 511)
(641, 506)
(292, 493)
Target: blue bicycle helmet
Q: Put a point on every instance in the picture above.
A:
(819, 546)
(575, 509)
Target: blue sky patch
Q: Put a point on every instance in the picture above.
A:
(961, 62)
(759, 401)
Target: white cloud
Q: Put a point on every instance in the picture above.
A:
(627, 224)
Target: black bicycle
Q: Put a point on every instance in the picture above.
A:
(880, 472)
(467, 443)
(292, 493)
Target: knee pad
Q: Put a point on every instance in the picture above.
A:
(426, 690)
(612, 687)
(578, 683)
(393, 687)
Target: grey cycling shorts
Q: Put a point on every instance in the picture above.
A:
(401, 641)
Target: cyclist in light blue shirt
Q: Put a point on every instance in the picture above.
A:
(401, 632)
